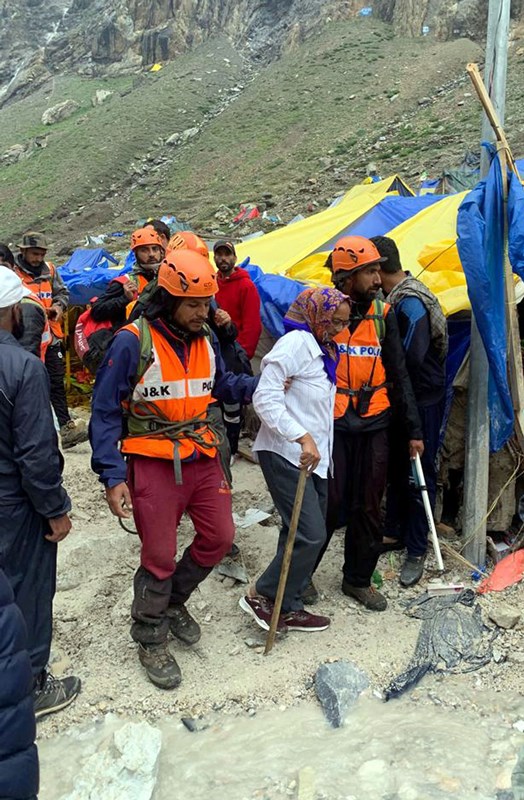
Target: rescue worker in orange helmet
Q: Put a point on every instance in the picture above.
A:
(371, 377)
(152, 394)
(43, 279)
(116, 304)
(187, 240)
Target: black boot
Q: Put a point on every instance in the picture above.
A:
(188, 575)
(149, 608)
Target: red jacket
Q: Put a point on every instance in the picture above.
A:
(237, 294)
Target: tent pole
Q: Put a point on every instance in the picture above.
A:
(476, 471)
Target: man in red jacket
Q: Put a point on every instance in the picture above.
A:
(238, 296)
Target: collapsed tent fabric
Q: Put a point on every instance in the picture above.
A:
(87, 274)
(480, 227)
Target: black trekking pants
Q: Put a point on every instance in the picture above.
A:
(55, 365)
(355, 493)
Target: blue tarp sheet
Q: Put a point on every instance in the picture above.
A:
(480, 228)
(276, 295)
(87, 274)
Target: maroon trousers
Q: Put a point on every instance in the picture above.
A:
(158, 505)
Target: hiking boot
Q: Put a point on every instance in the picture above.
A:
(73, 432)
(160, 666)
(367, 595)
(182, 625)
(234, 552)
(310, 594)
(54, 694)
(261, 609)
(411, 570)
(304, 621)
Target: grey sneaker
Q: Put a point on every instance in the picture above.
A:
(411, 570)
(54, 694)
(368, 596)
(160, 666)
(182, 625)
(73, 432)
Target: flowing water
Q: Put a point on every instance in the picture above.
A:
(401, 750)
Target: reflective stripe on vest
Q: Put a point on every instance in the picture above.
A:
(46, 337)
(179, 395)
(361, 364)
(42, 288)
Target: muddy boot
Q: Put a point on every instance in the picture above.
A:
(160, 666)
(73, 432)
(188, 575)
(367, 595)
(182, 625)
(411, 570)
(150, 602)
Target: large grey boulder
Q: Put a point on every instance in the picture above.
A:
(59, 112)
(124, 766)
(338, 686)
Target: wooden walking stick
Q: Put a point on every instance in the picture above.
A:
(286, 560)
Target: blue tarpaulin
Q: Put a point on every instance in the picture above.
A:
(480, 228)
(87, 274)
(276, 295)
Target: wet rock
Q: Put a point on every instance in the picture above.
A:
(59, 112)
(338, 686)
(504, 616)
(124, 766)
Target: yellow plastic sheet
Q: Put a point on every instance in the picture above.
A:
(277, 252)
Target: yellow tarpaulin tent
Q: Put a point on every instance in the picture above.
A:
(279, 251)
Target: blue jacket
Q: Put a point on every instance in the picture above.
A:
(30, 461)
(18, 753)
(114, 383)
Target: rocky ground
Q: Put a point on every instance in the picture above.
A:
(227, 670)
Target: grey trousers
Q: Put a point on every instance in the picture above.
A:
(282, 480)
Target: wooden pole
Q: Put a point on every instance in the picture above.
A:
(286, 560)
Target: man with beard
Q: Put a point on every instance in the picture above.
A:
(34, 503)
(118, 300)
(152, 396)
(371, 377)
(43, 280)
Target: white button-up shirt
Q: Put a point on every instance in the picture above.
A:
(306, 407)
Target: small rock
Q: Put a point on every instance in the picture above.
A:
(100, 96)
(174, 139)
(504, 616)
(233, 570)
(252, 641)
(423, 101)
(195, 724)
(498, 656)
(338, 686)
(189, 133)
(519, 725)
(59, 112)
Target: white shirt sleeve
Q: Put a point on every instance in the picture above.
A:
(286, 359)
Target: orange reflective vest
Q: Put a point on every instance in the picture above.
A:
(47, 336)
(173, 393)
(360, 365)
(42, 287)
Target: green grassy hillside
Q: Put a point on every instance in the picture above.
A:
(302, 128)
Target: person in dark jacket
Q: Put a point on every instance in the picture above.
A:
(372, 379)
(18, 753)
(423, 331)
(34, 503)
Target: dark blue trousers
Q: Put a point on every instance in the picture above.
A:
(29, 564)
(405, 516)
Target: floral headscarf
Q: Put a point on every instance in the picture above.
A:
(313, 311)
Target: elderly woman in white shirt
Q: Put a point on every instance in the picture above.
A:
(296, 433)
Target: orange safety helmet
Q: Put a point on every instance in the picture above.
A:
(353, 252)
(187, 240)
(184, 273)
(145, 236)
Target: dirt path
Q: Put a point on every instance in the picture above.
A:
(226, 671)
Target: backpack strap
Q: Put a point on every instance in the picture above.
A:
(146, 348)
(379, 318)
